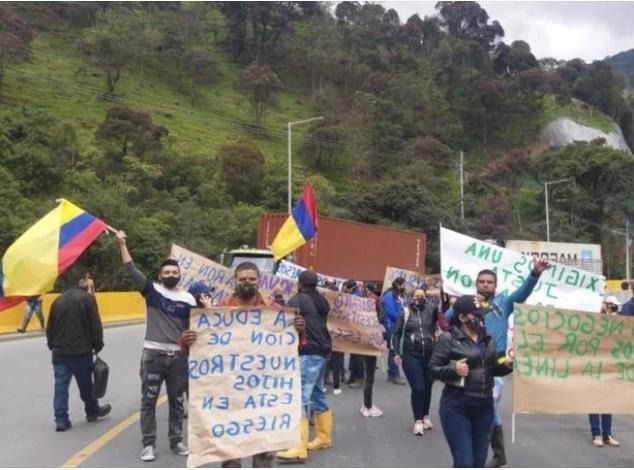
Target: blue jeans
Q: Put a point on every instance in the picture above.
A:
(600, 425)
(313, 396)
(466, 423)
(498, 392)
(65, 367)
(420, 382)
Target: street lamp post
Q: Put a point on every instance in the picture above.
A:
(290, 151)
(546, 195)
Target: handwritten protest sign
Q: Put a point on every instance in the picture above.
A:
(572, 362)
(352, 323)
(413, 280)
(244, 384)
(462, 257)
(292, 271)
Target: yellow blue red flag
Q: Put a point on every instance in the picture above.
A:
(300, 226)
(33, 262)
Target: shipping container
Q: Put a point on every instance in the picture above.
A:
(584, 256)
(352, 250)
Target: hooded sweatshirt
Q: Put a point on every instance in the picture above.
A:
(314, 308)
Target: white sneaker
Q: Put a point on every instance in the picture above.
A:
(147, 454)
(427, 424)
(375, 411)
(337, 391)
(365, 411)
(418, 428)
(180, 449)
(611, 441)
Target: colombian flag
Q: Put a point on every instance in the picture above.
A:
(31, 265)
(300, 226)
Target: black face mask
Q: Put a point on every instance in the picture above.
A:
(401, 290)
(477, 324)
(170, 282)
(420, 303)
(246, 290)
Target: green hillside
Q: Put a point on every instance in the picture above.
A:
(169, 120)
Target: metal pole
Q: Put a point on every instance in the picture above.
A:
(462, 185)
(290, 166)
(547, 220)
(628, 273)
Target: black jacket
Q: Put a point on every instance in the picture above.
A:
(314, 308)
(453, 346)
(419, 333)
(74, 326)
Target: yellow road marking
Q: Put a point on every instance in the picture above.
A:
(88, 451)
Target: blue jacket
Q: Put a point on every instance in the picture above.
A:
(628, 307)
(392, 308)
(497, 320)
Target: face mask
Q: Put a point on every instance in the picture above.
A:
(477, 324)
(420, 303)
(170, 282)
(401, 290)
(246, 290)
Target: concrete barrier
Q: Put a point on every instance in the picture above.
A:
(113, 307)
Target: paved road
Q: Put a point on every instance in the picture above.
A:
(28, 437)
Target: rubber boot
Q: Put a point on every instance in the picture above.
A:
(323, 427)
(300, 452)
(497, 445)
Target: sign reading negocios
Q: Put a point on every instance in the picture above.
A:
(244, 383)
(413, 280)
(572, 362)
(353, 323)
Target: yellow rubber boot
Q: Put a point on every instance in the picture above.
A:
(301, 452)
(323, 426)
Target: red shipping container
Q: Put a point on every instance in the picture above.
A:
(352, 250)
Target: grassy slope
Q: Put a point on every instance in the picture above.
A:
(49, 82)
(578, 111)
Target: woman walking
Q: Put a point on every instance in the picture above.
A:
(465, 359)
(413, 343)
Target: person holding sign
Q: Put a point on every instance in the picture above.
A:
(313, 355)
(466, 359)
(168, 309)
(392, 307)
(246, 293)
(413, 343)
(498, 309)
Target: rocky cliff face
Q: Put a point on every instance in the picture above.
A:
(564, 131)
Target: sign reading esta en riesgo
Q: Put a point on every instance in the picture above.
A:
(462, 257)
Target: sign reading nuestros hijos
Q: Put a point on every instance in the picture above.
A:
(244, 383)
(462, 257)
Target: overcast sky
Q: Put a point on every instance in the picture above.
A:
(564, 30)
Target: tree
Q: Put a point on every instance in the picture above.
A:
(16, 35)
(129, 129)
(468, 20)
(496, 221)
(242, 168)
(201, 69)
(107, 46)
(321, 145)
(263, 85)
(514, 59)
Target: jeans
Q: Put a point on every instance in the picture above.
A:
(370, 368)
(156, 367)
(29, 309)
(313, 396)
(466, 423)
(600, 425)
(420, 381)
(336, 363)
(498, 392)
(356, 367)
(65, 367)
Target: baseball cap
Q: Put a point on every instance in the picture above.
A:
(611, 299)
(469, 304)
(200, 287)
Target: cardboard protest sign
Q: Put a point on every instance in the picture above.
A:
(292, 271)
(244, 383)
(352, 323)
(462, 257)
(572, 362)
(413, 280)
